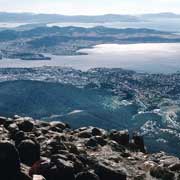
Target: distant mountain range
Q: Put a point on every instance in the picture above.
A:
(52, 18)
(161, 15)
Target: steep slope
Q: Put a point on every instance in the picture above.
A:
(41, 100)
(90, 107)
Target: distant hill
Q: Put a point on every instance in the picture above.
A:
(53, 18)
(99, 33)
(44, 100)
(69, 40)
(161, 15)
(50, 18)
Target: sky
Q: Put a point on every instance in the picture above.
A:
(90, 7)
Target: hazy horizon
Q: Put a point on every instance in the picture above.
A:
(135, 14)
(93, 7)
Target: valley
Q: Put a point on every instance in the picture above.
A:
(102, 97)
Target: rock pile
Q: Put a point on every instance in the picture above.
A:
(37, 150)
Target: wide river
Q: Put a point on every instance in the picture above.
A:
(152, 58)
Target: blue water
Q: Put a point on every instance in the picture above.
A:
(152, 58)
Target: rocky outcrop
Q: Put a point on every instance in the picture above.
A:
(32, 149)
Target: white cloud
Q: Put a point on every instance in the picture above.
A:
(90, 6)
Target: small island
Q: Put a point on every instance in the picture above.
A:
(23, 56)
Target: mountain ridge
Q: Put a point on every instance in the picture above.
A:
(52, 18)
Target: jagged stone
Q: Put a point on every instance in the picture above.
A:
(16, 116)
(2, 120)
(149, 164)
(175, 167)
(162, 173)
(116, 146)
(22, 176)
(92, 142)
(87, 176)
(55, 145)
(29, 152)
(13, 128)
(138, 141)
(26, 126)
(96, 132)
(107, 173)
(121, 137)
(9, 161)
(58, 125)
(38, 177)
(84, 153)
(140, 177)
(85, 134)
(55, 169)
(40, 167)
(167, 160)
(7, 123)
(100, 140)
(62, 169)
(72, 148)
(18, 137)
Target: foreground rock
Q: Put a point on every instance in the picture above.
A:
(10, 163)
(31, 149)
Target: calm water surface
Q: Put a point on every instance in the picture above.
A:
(152, 58)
